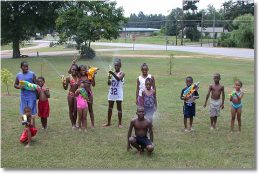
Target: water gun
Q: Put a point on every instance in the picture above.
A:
(28, 86)
(189, 91)
(84, 93)
(91, 72)
(25, 120)
(232, 94)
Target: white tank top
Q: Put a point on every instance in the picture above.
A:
(115, 92)
(142, 83)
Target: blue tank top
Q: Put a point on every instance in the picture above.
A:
(27, 77)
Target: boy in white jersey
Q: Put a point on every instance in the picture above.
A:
(140, 87)
(115, 81)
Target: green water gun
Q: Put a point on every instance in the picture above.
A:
(28, 86)
(84, 93)
(232, 94)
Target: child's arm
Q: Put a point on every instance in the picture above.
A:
(129, 134)
(183, 97)
(47, 92)
(109, 80)
(118, 78)
(154, 87)
(207, 96)
(93, 82)
(137, 91)
(223, 97)
(143, 93)
(239, 97)
(155, 100)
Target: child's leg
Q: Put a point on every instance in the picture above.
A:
(72, 110)
(233, 117)
(80, 112)
(211, 121)
(84, 118)
(44, 122)
(29, 135)
(91, 113)
(74, 114)
(215, 121)
(239, 111)
(119, 113)
(109, 113)
(185, 122)
(191, 122)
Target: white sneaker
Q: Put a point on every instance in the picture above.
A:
(186, 130)
(192, 129)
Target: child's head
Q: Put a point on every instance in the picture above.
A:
(189, 80)
(140, 112)
(24, 66)
(82, 70)
(144, 69)
(40, 81)
(117, 64)
(27, 110)
(73, 69)
(216, 77)
(148, 83)
(238, 84)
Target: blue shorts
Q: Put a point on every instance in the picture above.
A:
(237, 105)
(189, 110)
(143, 141)
(27, 102)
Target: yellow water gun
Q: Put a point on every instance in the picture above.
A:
(91, 72)
(189, 91)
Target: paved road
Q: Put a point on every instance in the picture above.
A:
(233, 52)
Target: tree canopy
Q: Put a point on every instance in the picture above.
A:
(22, 19)
(88, 21)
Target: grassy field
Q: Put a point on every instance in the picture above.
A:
(60, 147)
(9, 46)
(157, 40)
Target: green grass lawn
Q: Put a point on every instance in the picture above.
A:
(9, 46)
(60, 147)
(157, 40)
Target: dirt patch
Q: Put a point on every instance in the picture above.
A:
(10, 95)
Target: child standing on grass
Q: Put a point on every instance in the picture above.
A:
(236, 105)
(115, 94)
(141, 83)
(29, 130)
(149, 99)
(189, 105)
(72, 81)
(43, 94)
(216, 103)
(27, 97)
(82, 106)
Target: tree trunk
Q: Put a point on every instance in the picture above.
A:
(89, 44)
(7, 89)
(16, 48)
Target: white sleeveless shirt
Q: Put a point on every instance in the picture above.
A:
(115, 92)
(142, 83)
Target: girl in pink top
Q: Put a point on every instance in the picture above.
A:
(82, 108)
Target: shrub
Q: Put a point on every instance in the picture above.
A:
(6, 78)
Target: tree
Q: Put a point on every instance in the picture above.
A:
(22, 19)
(88, 21)
(6, 78)
(172, 18)
(244, 35)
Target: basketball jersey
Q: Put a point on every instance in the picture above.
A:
(115, 92)
(142, 83)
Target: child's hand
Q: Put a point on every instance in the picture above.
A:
(110, 72)
(222, 106)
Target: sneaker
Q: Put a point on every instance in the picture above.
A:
(192, 129)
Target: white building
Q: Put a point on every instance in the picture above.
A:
(209, 31)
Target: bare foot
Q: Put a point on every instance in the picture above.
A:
(80, 129)
(120, 126)
(92, 127)
(106, 125)
(27, 146)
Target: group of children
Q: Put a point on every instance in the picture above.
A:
(80, 101)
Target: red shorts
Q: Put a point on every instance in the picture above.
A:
(43, 109)
(24, 135)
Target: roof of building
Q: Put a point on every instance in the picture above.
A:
(139, 29)
(212, 29)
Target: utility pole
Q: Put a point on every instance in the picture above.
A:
(182, 23)
(201, 28)
(176, 32)
(214, 29)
